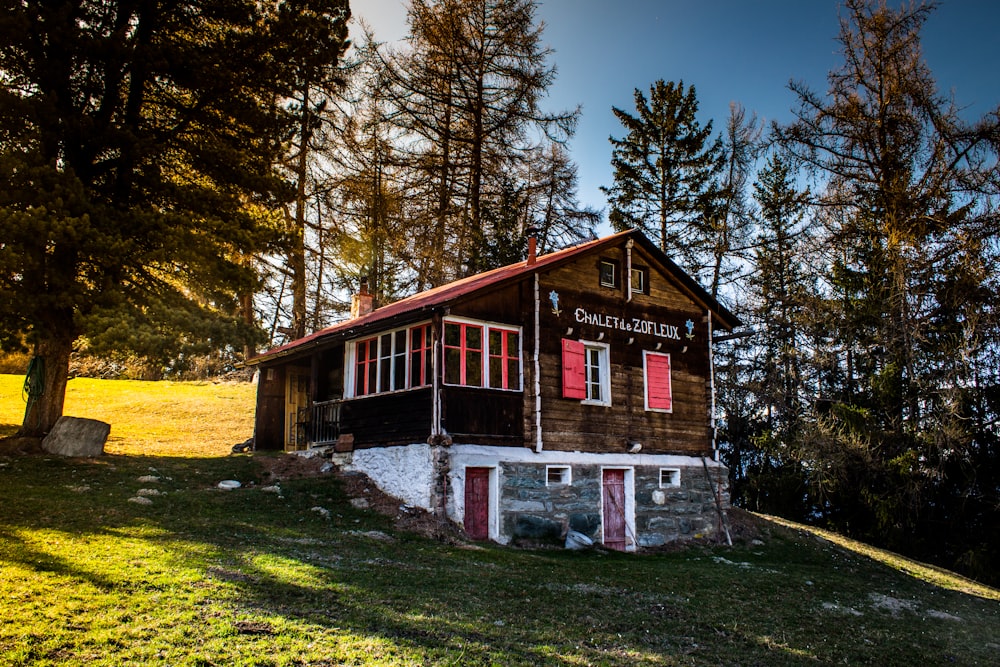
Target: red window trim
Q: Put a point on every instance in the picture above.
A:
(505, 358)
(464, 349)
(362, 363)
(422, 353)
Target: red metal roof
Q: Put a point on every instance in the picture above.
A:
(457, 289)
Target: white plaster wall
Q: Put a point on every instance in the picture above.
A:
(406, 472)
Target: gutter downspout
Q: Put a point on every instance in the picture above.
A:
(628, 270)
(438, 323)
(537, 378)
(711, 385)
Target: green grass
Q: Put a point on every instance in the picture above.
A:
(207, 577)
(152, 418)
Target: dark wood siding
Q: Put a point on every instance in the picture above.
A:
(590, 312)
(483, 416)
(270, 421)
(388, 419)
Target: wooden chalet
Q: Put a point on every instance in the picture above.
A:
(572, 391)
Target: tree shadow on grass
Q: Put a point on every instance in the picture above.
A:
(342, 576)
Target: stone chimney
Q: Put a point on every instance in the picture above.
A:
(361, 303)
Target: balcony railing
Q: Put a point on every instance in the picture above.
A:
(320, 423)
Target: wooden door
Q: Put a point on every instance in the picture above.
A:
(296, 398)
(477, 503)
(613, 498)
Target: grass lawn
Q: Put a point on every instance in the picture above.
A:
(194, 575)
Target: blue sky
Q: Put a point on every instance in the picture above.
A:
(743, 51)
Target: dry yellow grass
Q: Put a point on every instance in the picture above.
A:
(151, 418)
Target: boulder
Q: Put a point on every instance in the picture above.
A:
(74, 436)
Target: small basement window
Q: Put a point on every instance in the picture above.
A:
(558, 476)
(670, 477)
(609, 273)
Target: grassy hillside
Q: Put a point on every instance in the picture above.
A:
(150, 418)
(138, 558)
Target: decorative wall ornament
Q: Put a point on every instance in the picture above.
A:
(554, 298)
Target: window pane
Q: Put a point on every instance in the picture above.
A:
(496, 342)
(609, 274)
(359, 380)
(496, 372)
(452, 365)
(474, 338)
(513, 374)
(415, 367)
(513, 344)
(474, 368)
(452, 335)
(372, 367)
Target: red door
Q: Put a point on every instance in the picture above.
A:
(614, 509)
(477, 503)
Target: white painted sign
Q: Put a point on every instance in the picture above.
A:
(636, 325)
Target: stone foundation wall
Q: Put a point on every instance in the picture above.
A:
(532, 510)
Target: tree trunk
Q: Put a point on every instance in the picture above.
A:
(44, 410)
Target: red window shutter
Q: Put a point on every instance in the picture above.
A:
(658, 382)
(574, 375)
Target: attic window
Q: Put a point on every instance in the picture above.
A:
(609, 273)
(558, 476)
(640, 280)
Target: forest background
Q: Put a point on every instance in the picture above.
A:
(187, 183)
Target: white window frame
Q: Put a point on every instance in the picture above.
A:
(643, 273)
(674, 475)
(351, 361)
(485, 352)
(604, 369)
(614, 273)
(566, 475)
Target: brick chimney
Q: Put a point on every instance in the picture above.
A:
(532, 232)
(361, 303)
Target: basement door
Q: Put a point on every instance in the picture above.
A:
(613, 502)
(477, 503)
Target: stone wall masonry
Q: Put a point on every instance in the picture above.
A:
(532, 510)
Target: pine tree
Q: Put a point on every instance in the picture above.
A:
(664, 168)
(136, 173)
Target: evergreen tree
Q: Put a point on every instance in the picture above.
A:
(909, 201)
(664, 169)
(136, 172)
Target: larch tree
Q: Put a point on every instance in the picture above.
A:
(467, 90)
(137, 152)
(664, 172)
(322, 32)
(910, 198)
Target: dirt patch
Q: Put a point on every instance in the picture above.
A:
(291, 466)
(360, 488)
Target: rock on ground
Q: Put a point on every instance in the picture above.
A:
(75, 436)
